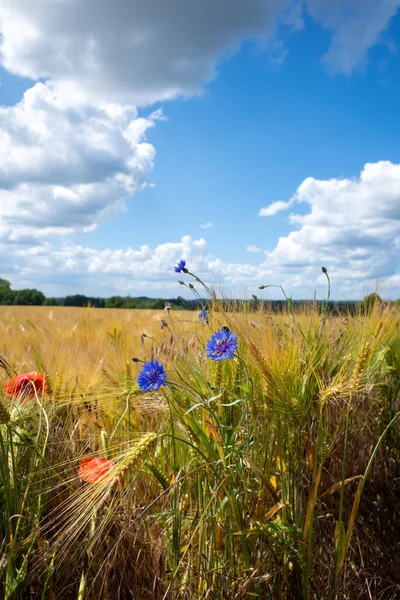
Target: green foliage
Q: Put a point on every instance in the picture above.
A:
(23, 444)
(128, 302)
(35, 298)
(6, 294)
(29, 297)
(115, 302)
(83, 301)
(51, 302)
(368, 303)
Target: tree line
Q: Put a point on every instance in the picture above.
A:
(33, 297)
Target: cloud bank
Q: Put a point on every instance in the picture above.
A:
(352, 228)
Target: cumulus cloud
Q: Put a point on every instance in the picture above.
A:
(129, 50)
(253, 248)
(105, 272)
(66, 168)
(149, 270)
(207, 225)
(74, 150)
(138, 52)
(352, 228)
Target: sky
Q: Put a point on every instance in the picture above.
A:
(256, 139)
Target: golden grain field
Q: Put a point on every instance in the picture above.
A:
(274, 473)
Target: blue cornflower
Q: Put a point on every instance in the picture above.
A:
(152, 376)
(180, 266)
(222, 345)
(203, 316)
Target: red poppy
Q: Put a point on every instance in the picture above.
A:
(95, 470)
(25, 385)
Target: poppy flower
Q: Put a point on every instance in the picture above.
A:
(26, 385)
(95, 469)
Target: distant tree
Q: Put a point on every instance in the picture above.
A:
(7, 295)
(76, 300)
(29, 297)
(132, 303)
(97, 302)
(83, 301)
(116, 302)
(368, 302)
(141, 302)
(51, 302)
(158, 304)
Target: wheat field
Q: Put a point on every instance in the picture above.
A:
(272, 474)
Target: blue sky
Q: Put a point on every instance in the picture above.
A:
(209, 124)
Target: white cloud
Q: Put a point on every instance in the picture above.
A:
(207, 225)
(274, 208)
(352, 229)
(75, 268)
(74, 151)
(67, 168)
(253, 248)
(131, 51)
(138, 52)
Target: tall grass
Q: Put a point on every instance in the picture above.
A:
(272, 474)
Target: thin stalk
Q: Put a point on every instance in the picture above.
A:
(82, 586)
(357, 498)
(127, 406)
(208, 290)
(326, 306)
(339, 524)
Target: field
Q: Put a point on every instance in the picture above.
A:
(272, 474)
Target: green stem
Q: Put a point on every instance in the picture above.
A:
(326, 306)
(201, 282)
(82, 586)
(339, 525)
(127, 405)
(357, 498)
